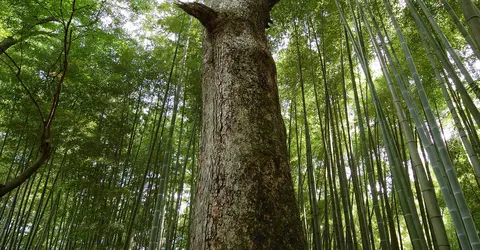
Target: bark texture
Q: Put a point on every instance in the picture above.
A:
(244, 197)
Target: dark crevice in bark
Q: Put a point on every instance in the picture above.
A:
(272, 3)
(206, 15)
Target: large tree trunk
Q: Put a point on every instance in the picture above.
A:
(245, 197)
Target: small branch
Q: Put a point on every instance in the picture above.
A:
(14, 63)
(37, 106)
(7, 43)
(42, 5)
(30, 26)
(45, 20)
(272, 3)
(17, 75)
(203, 13)
(45, 151)
(45, 140)
(25, 32)
(67, 42)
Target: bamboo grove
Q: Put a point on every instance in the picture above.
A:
(100, 122)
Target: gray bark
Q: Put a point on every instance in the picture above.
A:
(244, 197)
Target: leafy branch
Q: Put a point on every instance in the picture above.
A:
(26, 32)
(45, 138)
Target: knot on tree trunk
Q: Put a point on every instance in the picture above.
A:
(209, 17)
(206, 15)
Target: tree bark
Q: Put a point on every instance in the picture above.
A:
(244, 197)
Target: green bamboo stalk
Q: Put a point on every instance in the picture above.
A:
(154, 135)
(20, 218)
(157, 223)
(439, 143)
(310, 168)
(344, 191)
(472, 16)
(402, 187)
(380, 223)
(354, 172)
(462, 29)
(471, 154)
(192, 189)
(335, 168)
(180, 188)
(427, 188)
(473, 85)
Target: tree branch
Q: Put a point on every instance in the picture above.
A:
(45, 20)
(25, 33)
(7, 43)
(203, 13)
(45, 151)
(45, 139)
(17, 75)
(67, 43)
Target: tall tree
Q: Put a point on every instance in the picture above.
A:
(244, 197)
